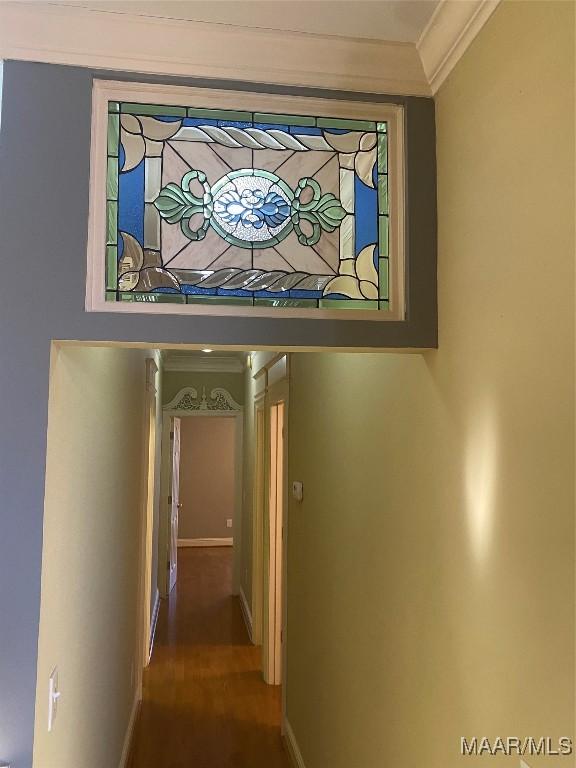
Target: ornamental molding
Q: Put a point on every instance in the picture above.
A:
(448, 35)
(75, 35)
(187, 400)
(102, 39)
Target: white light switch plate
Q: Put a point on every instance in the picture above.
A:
(298, 490)
(229, 523)
(53, 696)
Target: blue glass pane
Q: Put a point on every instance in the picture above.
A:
(224, 123)
(223, 292)
(191, 121)
(305, 294)
(131, 202)
(268, 126)
(193, 289)
(270, 294)
(366, 220)
(303, 130)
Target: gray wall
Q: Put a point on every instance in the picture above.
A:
(44, 173)
(207, 468)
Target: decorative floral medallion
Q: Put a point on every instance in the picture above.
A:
(250, 208)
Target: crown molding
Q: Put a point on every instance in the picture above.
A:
(206, 364)
(102, 39)
(449, 33)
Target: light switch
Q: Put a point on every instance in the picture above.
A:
(297, 490)
(229, 523)
(53, 696)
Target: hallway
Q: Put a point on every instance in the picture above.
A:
(204, 700)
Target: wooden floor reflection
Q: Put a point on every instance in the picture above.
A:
(205, 704)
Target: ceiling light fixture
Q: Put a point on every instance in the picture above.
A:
(206, 350)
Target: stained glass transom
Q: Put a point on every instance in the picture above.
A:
(231, 207)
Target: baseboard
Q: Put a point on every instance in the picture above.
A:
(292, 746)
(153, 623)
(130, 732)
(205, 542)
(246, 613)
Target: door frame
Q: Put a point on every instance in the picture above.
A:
(273, 388)
(175, 426)
(258, 512)
(186, 404)
(148, 487)
(277, 394)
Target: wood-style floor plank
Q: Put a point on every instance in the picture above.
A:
(205, 704)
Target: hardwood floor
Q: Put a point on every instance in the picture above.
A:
(205, 704)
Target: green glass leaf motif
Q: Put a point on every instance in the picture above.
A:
(323, 211)
(178, 204)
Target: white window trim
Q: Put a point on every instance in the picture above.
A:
(105, 91)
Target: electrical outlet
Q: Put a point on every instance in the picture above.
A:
(229, 523)
(53, 696)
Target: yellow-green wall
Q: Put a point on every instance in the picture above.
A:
(91, 555)
(431, 565)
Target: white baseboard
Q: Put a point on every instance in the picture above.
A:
(292, 745)
(246, 613)
(205, 542)
(153, 623)
(130, 732)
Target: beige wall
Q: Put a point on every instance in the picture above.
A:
(207, 466)
(89, 612)
(431, 565)
(174, 381)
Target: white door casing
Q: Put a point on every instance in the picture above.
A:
(275, 526)
(174, 502)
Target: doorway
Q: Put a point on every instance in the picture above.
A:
(201, 486)
(129, 478)
(207, 481)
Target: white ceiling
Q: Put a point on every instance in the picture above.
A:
(218, 361)
(187, 354)
(389, 20)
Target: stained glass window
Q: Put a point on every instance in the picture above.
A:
(247, 208)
